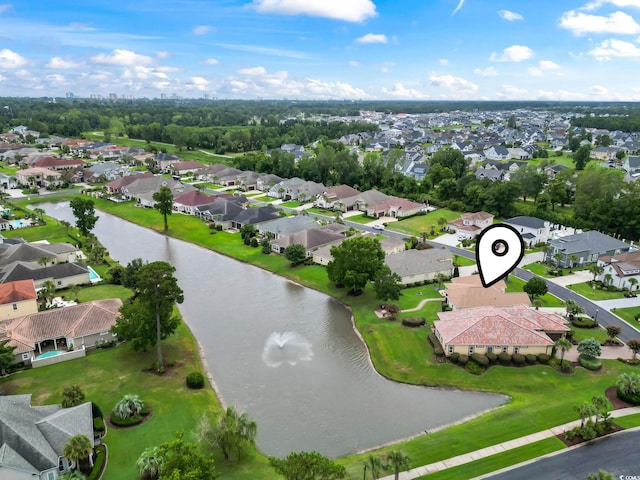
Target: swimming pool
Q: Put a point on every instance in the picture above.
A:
(19, 223)
(52, 353)
(93, 276)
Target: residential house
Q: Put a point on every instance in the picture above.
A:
(296, 189)
(497, 152)
(32, 438)
(116, 186)
(143, 189)
(311, 239)
(584, 248)
(282, 227)
(18, 299)
(62, 275)
(266, 181)
(631, 165)
(163, 161)
(394, 207)
(37, 252)
(221, 211)
(53, 163)
(392, 245)
(361, 201)
(329, 198)
(185, 167)
(518, 329)
(620, 269)
(532, 230)
(468, 292)
(604, 153)
(39, 177)
(518, 154)
(188, 202)
(492, 174)
(416, 266)
(552, 170)
(254, 216)
(8, 181)
(469, 225)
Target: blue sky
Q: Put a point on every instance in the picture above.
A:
(324, 49)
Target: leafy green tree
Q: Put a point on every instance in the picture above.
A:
(84, 211)
(387, 284)
(564, 345)
(164, 203)
(72, 396)
(438, 173)
(632, 283)
(601, 406)
(452, 159)
(585, 410)
(295, 253)
(536, 287)
(307, 466)
(77, 449)
(581, 157)
(589, 348)
(228, 432)
(530, 181)
(149, 463)
(356, 261)
(557, 190)
(398, 462)
(149, 318)
(634, 346)
(613, 331)
(72, 475)
(130, 271)
(183, 461)
(128, 406)
(6, 355)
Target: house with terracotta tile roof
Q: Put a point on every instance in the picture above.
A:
(83, 326)
(622, 268)
(18, 299)
(518, 329)
(468, 292)
(188, 202)
(470, 225)
(32, 438)
(54, 163)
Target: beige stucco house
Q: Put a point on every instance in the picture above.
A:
(18, 299)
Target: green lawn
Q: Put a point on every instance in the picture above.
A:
(541, 397)
(362, 219)
(499, 460)
(463, 261)
(579, 334)
(548, 300)
(291, 204)
(628, 315)
(585, 290)
(266, 199)
(541, 269)
(419, 224)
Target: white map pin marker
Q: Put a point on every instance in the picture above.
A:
(498, 251)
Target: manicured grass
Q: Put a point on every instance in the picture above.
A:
(53, 231)
(548, 300)
(541, 397)
(362, 219)
(418, 224)
(630, 421)
(539, 269)
(322, 211)
(291, 204)
(98, 292)
(411, 297)
(585, 290)
(599, 333)
(628, 314)
(266, 199)
(499, 460)
(464, 261)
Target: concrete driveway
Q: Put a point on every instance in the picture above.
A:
(450, 239)
(580, 276)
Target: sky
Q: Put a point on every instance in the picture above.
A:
(585, 50)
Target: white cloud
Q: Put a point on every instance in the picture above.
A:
(372, 38)
(400, 91)
(202, 29)
(211, 61)
(454, 84)
(56, 80)
(5, 7)
(580, 23)
(548, 65)
(458, 7)
(162, 54)
(10, 59)
(614, 48)
(197, 83)
(444, 62)
(511, 91)
(121, 57)
(514, 53)
(59, 63)
(354, 63)
(254, 71)
(486, 72)
(535, 72)
(347, 10)
(384, 69)
(509, 15)
(276, 52)
(618, 3)
(168, 69)
(599, 90)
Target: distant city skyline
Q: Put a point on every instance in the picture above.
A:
(586, 50)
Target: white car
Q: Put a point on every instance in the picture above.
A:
(378, 226)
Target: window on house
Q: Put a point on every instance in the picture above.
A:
(450, 349)
(471, 349)
(15, 306)
(504, 349)
(516, 349)
(59, 283)
(489, 349)
(26, 356)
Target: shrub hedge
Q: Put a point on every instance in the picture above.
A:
(474, 368)
(125, 422)
(505, 358)
(583, 322)
(518, 359)
(195, 380)
(438, 351)
(590, 364)
(454, 357)
(632, 399)
(413, 321)
(543, 358)
(98, 462)
(493, 358)
(463, 359)
(530, 358)
(98, 424)
(480, 359)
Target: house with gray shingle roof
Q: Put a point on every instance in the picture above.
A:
(62, 275)
(586, 246)
(32, 438)
(281, 227)
(254, 216)
(622, 268)
(311, 239)
(415, 266)
(532, 230)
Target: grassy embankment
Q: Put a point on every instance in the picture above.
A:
(541, 396)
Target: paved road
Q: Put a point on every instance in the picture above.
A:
(617, 454)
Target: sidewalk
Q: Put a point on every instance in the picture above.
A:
(499, 448)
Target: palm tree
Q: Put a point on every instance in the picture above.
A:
(573, 308)
(600, 405)
(573, 259)
(375, 466)
(585, 410)
(629, 383)
(595, 270)
(150, 463)
(43, 261)
(46, 293)
(557, 258)
(439, 279)
(537, 303)
(229, 431)
(77, 449)
(398, 462)
(442, 221)
(72, 475)
(564, 345)
(632, 282)
(608, 279)
(72, 396)
(128, 406)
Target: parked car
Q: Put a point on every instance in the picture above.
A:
(378, 226)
